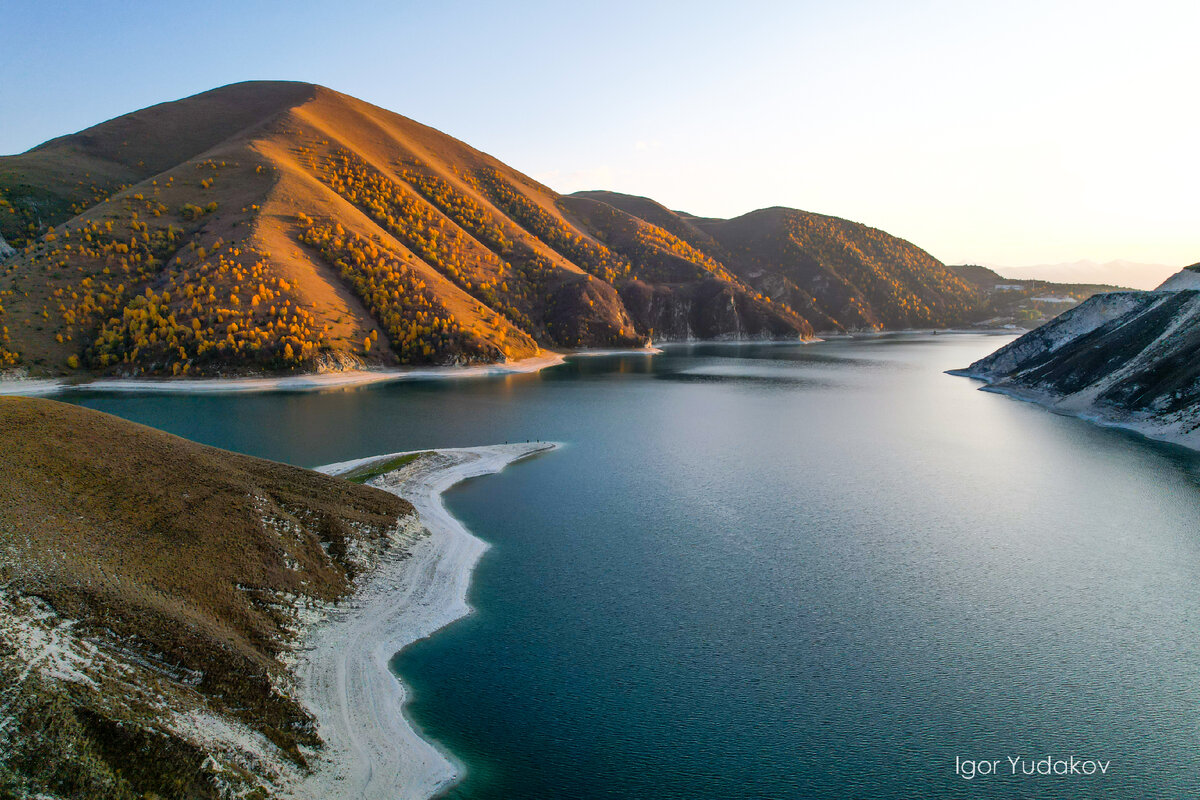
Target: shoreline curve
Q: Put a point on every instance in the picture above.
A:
(1173, 432)
(372, 749)
(303, 382)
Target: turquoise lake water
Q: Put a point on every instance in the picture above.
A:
(784, 571)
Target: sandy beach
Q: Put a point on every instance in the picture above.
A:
(286, 383)
(372, 750)
(308, 382)
(31, 387)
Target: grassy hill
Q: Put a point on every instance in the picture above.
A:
(275, 226)
(148, 588)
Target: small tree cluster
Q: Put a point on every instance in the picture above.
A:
(593, 257)
(419, 327)
(468, 214)
(214, 313)
(8, 357)
(438, 240)
(139, 294)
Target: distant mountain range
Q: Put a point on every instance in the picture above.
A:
(1130, 274)
(1022, 303)
(277, 226)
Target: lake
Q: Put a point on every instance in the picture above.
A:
(784, 571)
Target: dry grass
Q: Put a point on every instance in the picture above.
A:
(177, 549)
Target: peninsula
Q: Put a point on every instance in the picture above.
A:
(178, 618)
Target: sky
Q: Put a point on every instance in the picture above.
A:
(985, 132)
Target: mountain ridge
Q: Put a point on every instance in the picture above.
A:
(1122, 272)
(282, 226)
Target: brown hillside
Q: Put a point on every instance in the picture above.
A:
(836, 273)
(655, 213)
(274, 226)
(858, 276)
(666, 269)
(180, 556)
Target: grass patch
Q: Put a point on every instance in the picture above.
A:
(368, 471)
(182, 552)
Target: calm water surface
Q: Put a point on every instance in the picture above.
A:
(775, 571)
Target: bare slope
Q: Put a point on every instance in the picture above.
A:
(148, 588)
(1124, 358)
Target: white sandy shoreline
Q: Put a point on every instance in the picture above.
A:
(284, 383)
(371, 749)
(307, 382)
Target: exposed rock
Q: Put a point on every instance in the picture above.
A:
(708, 310)
(1128, 359)
(1186, 278)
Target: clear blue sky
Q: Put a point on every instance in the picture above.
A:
(1004, 132)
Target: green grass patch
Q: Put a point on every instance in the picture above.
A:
(368, 471)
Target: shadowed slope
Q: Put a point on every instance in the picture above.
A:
(839, 275)
(856, 276)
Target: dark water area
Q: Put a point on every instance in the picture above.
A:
(784, 571)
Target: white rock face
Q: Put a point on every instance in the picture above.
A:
(1096, 311)
(6, 250)
(1123, 359)
(1183, 280)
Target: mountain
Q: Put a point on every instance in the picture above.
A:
(837, 274)
(1130, 359)
(276, 226)
(1115, 273)
(1023, 303)
(151, 589)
